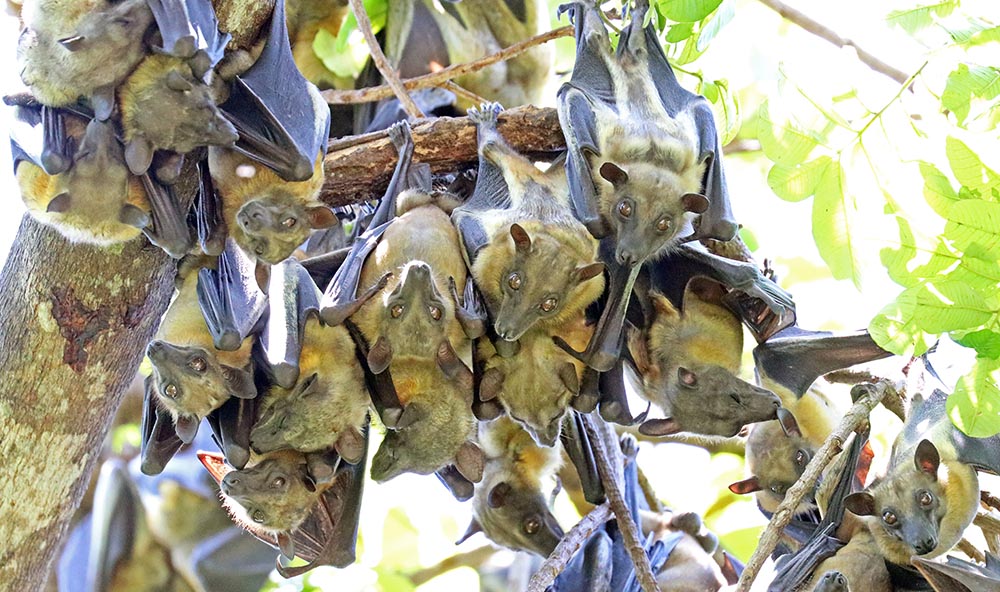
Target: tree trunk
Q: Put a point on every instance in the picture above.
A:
(74, 323)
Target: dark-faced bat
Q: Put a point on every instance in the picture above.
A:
(930, 493)
(511, 503)
(958, 575)
(689, 359)
(855, 567)
(72, 49)
(318, 399)
(532, 260)
(282, 120)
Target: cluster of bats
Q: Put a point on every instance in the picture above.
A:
(484, 315)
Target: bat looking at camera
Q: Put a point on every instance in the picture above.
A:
(414, 330)
(280, 499)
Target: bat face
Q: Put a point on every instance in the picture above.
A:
(517, 518)
(713, 401)
(189, 380)
(435, 432)
(98, 170)
(777, 460)
(833, 581)
(416, 316)
(276, 494)
(275, 223)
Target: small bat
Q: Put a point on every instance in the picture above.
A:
(282, 120)
(930, 493)
(855, 567)
(958, 575)
(88, 51)
(511, 503)
(532, 260)
(318, 399)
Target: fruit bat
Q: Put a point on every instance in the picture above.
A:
(532, 260)
(189, 30)
(930, 492)
(511, 503)
(317, 399)
(788, 364)
(688, 359)
(201, 354)
(87, 51)
(282, 120)
(958, 575)
(855, 567)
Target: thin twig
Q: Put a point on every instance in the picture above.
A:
(896, 404)
(464, 93)
(568, 546)
(598, 433)
(377, 93)
(734, 445)
(473, 558)
(990, 500)
(647, 491)
(383, 65)
(990, 525)
(822, 31)
(969, 549)
(855, 417)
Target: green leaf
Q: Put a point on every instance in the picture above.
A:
(985, 342)
(974, 407)
(689, 52)
(949, 305)
(399, 540)
(782, 140)
(969, 169)
(687, 11)
(831, 225)
(893, 328)
(710, 91)
(797, 182)
(342, 62)
(915, 260)
(914, 19)
(679, 32)
(973, 223)
(965, 83)
(749, 238)
(975, 32)
(715, 24)
(729, 118)
(391, 581)
(938, 192)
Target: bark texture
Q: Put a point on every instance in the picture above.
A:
(74, 323)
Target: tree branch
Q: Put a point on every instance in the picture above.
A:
(713, 444)
(965, 546)
(377, 93)
(473, 558)
(568, 546)
(383, 65)
(822, 31)
(869, 395)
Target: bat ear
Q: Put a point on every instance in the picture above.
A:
(186, 427)
(788, 423)
(861, 503)
(474, 527)
(286, 545)
(613, 174)
(586, 272)
(59, 204)
(379, 356)
(522, 242)
(491, 384)
(470, 461)
(927, 458)
(138, 155)
(133, 216)
(686, 377)
(240, 382)
(745, 486)
(659, 427)
(569, 378)
(498, 495)
(176, 81)
(74, 43)
(320, 217)
(695, 202)
(215, 464)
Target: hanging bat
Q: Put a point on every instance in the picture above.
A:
(282, 120)
(531, 259)
(788, 364)
(958, 575)
(84, 52)
(930, 493)
(688, 359)
(189, 30)
(318, 399)
(856, 566)
(511, 503)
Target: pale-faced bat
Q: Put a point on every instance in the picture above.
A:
(511, 503)
(532, 260)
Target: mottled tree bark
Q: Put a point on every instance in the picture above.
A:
(74, 322)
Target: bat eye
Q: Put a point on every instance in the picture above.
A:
(532, 525)
(198, 364)
(257, 516)
(549, 304)
(396, 311)
(435, 312)
(624, 209)
(258, 250)
(514, 281)
(925, 498)
(889, 518)
(278, 483)
(171, 391)
(800, 457)
(289, 222)
(662, 225)
(778, 489)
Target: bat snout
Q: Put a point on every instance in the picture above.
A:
(925, 546)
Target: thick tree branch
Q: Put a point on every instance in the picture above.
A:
(383, 65)
(822, 31)
(567, 547)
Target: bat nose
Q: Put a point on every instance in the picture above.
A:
(625, 257)
(926, 546)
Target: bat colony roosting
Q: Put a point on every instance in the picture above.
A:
(488, 324)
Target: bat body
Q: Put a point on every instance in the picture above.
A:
(511, 503)
(930, 493)
(856, 566)
(532, 260)
(689, 359)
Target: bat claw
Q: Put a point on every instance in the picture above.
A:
(487, 410)
(400, 136)
(391, 417)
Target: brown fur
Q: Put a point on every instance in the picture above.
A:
(859, 562)
(282, 507)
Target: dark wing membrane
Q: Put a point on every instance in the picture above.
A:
(230, 299)
(159, 440)
(38, 135)
(231, 424)
(190, 29)
(210, 225)
(292, 298)
(169, 228)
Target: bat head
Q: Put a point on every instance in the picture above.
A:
(191, 382)
(649, 208)
(546, 281)
(276, 494)
(295, 419)
(112, 30)
(709, 399)
(833, 581)
(274, 224)
(516, 516)
(416, 315)
(431, 435)
(909, 505)
(777, 457)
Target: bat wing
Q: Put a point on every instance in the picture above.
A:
(292, 298)
(578, 447)
(958, 575)
(282, 120)
(231, 425)
(116, 518)
(431, 102)
(323, 267)
(159, 440)
(230, 299)
(210, 225)
(38, 135)
(380, 386)
(169, 227)
(795, 358)
(189, 30)
(232, 560)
